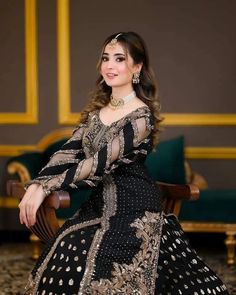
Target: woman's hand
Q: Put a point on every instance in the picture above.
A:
(30, 203)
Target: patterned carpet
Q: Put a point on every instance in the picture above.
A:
(15, 264)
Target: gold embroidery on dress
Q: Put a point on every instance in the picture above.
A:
(109, 209)
(78, 170)
(122, 144)
(94, 166)
(135, 128)
(138, 277)
(109, 154)
(32, 285)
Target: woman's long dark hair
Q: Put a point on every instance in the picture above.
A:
(146, 90)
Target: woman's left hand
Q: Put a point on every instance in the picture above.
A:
(29, 205)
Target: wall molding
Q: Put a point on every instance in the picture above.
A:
(8, 202)
(30, 116)
(210, 153)
(191, 152)
(173, 119)
(16, 150)
(67, 117)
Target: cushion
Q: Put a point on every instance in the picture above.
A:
(216, 205)
(54, 147)
(166, 163)
(33, 162)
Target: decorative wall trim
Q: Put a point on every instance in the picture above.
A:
(66, 117)
(217, 227)
(15, 150)
(8, 202)
(199, 119)
(210, 152)
(30, 116)
(70, 118)
(190, 152)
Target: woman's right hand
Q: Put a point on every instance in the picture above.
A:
(30, 203)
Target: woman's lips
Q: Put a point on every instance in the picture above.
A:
(111, 76)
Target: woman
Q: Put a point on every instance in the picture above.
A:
(119, 242)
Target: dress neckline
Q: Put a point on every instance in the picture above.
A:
(121, 119)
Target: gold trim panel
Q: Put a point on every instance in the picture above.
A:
(172, 119)
(210, 152)
(67, 117)
(31, 77)
(190, 152)
(16, 150)
(9, 202)
(191, 226)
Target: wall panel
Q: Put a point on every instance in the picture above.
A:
(192, 50)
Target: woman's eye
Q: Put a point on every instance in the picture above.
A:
(120, 59)
(104, 58)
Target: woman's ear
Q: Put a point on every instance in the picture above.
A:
(138, 67)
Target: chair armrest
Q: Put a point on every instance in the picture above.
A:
(179, 191)
(46, 221)
(173, 194)
(47, 224)
(26, 166)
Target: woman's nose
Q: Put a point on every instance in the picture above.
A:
(110, 64)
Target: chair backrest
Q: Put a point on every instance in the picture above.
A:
(47, 223)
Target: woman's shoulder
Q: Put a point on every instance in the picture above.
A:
(139, 112)
(141, 108)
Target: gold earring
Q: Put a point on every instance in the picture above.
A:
(135, 79)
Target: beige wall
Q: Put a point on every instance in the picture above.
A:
(192, 48)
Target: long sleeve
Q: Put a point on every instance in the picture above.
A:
(132, 140)
(70, 153)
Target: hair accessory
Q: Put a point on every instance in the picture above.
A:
(135, 79)
(116, 103)
(114, 40)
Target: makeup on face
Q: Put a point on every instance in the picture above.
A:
(116, 65)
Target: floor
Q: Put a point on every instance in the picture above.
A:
(15, 265)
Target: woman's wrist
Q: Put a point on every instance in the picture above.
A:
(33, 186)
(41, 192)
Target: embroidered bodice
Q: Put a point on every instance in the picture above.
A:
(96, 149)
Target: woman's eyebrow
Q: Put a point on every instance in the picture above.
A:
(105, 53)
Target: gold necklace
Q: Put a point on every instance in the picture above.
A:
(116, 103)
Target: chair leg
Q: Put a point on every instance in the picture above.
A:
(36, 246)
(230, 243)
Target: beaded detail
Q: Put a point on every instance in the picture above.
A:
(119, 241)
(139, 276)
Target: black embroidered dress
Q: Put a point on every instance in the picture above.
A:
(119, 242)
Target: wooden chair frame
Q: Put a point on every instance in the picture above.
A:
(47, 223)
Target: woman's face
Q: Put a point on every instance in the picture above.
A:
(117, 66)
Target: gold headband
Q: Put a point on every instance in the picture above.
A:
(114, 40)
